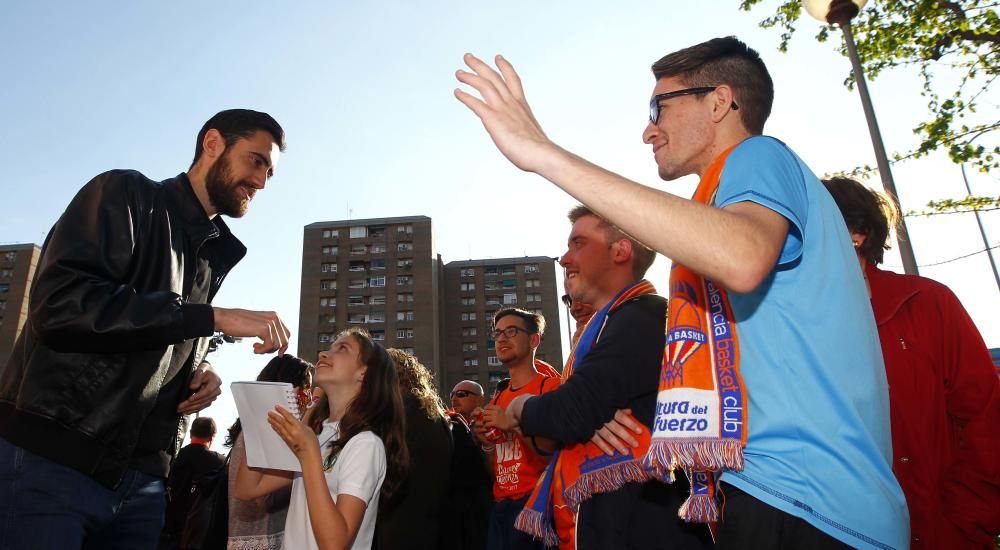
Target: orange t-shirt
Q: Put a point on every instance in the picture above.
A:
(518, 466)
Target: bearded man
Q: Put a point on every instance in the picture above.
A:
(110, 360)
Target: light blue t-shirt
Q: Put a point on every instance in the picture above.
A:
(819, 444)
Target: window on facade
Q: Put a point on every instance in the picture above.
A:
(355, 300)
(376, 317)
(404, 280)
(404, 333)
(325, 337)
(328, 267)
(492, 285)
(404, 247)
(377, 300)
(329, 233)
(531, 268)
(328, 284)
(470, 346)
(359, 231)
(493, 362)
(404, 315)
(509, 283)
(358, 250)
(330, 250)
(376, 282)
(491, 344)
(327, 302)
(357, 283)
(469, 301)
(532, 283)
(471, 362)
(356, 318)
(376, 231)
(403, 298)
(536, 311)
(404, 264)
(469, 316)
(356, 266)
(507, 270)
(469, 331)
(407, 350)
(509, 299)
(4, 274)
(492, 300)
(406, 228)
(467, 287)
(467, 272)
(378, 335)
(378, 249)
(378, 264)
(534, 297)
(10, 256)
(491, 270)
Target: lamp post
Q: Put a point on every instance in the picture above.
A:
(840, 13)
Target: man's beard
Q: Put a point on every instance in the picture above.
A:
(225, 194)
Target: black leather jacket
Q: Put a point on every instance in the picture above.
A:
(107, 306)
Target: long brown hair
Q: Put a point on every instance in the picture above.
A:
(378, 408)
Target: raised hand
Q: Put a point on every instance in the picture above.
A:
(265, 325)
(504, 112)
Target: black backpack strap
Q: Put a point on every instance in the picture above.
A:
(501, 386)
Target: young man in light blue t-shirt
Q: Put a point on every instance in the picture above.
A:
(817, 459)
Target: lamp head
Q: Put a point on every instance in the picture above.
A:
(836, 12)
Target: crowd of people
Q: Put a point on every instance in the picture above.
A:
(783, 392)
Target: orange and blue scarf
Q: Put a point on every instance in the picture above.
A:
(700, 425)
(578, 471)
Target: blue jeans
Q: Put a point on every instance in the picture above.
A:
(48, 506)
(502, 534)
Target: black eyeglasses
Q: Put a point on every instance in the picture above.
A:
(508, 332)
(567, 301)
(654, 104)
(463, 393)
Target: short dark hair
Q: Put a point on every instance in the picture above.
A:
(236, 124)
(725, 61)
(867, 213)
(532, 321)
(203, 427)
(642, 255)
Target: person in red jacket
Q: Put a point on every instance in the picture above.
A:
(944, 394)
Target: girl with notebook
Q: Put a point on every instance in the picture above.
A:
(351, 447)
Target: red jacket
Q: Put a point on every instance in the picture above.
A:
(944, 398)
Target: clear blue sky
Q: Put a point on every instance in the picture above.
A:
(364, 91)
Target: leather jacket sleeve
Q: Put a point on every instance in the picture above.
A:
(84, 297)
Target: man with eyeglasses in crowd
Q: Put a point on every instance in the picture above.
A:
(806, 459)
(515, 460)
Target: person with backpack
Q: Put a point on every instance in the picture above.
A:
(193, 462)
(516, 461)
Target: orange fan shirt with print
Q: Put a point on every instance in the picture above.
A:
(518, 466)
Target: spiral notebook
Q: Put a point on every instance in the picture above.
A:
(265, 449)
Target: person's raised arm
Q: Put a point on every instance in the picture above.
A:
(257, 482)
(736, 246)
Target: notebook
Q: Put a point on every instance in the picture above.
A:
(265, 448)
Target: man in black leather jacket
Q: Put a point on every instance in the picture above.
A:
(93, 397)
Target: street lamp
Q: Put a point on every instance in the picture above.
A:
(840, 13)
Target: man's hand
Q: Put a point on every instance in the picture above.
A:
(265, 325)
(617, 433)
(206, 386)
(504, 112)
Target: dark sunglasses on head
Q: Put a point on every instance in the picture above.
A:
(654, 104)
(463, 393)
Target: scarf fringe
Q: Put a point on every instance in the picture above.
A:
(699, 509)
(692, 454)
(604, 480)
(534, 523)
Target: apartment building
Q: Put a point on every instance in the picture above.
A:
(473, 291)
(381, 274)
(17, 269)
